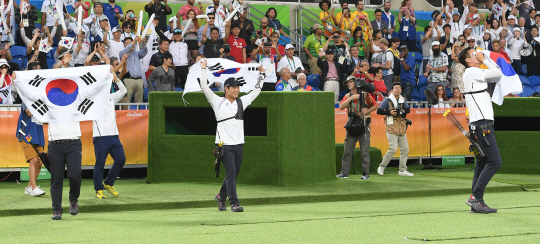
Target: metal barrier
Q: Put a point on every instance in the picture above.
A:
(302, 15)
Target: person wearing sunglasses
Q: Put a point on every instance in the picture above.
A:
(207, 30)
(441, 95)
(127, 31)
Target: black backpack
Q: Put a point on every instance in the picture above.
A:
(396, 62)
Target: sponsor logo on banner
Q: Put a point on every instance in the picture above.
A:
(134, 114)
(6, 115)
(341, 111)
(460, 111)
(422, 111)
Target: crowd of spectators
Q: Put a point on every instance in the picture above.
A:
(343, 44)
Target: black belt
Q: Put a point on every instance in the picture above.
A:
(474, 92)
(64, 141)
(134, 78)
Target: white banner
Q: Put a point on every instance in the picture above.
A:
(152, 47)
(5, 95)
(218, 70)
(65, 95)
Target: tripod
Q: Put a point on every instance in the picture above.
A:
(430, 165)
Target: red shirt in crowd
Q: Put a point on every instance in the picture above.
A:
(380, 87)
(237, 46)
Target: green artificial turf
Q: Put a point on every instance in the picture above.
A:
(443, 218)
(138, 195)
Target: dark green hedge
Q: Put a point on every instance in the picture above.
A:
(298, 149)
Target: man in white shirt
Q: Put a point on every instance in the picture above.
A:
(49, 15)
(481, 128)
(292, 63)
(115, 45)
(387, 64)
(106, 141)
(230, 131)
(457, 26)
(65, 151)
(221, 13)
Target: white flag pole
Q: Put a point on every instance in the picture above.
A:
(148, 25)
(61, 18)
(79, 20)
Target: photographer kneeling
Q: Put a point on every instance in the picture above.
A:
(359, 106)
(395, 108)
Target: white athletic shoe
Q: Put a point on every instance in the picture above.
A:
(28, 190)
(37, 192)
(380, 170)
(405, 173)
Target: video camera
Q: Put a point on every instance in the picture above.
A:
(401, 112)
(362, 85)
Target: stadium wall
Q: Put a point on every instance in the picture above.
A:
(297, 146)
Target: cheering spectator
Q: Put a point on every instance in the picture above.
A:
(408, 76)
(494, 29)
(237, 45)
(457, 96)
(221, 14)
(161, 10)
(477, 29)
(157, 59)
(183, 11)
(514, 45)
(212, 45)
(360, 10)
(327, 16)
(127, 30)
(85, 6)
(533, 60)
(457, 25)
(446, 40)
(48, 18)
(28, 17)
(93, 21)
(345, 21)
(343, 5)
(82, 49)
(101, 32)
(312, 45)
(131, 19)
(246, 26)
(262, 33)
(190, 37)
(340, 48)
(32, 50)
(378, 23)
(407, 27)
(233, 4)
(179, 51)
(163, 76)
(283, 84)
(113, 12)
(274, 23)
(525, 33)
(133, 79)
(390, 19)
(437, 23)
(302, 83)
(357, 40)
(268, 62)
(365, 28)
(441, 95)
(207, 30)
(471, 42)
(115, 45)
(438, 65)
(294, 64)
(427, 42)
(65, 57)
(332, 72)
(376, 47)
(407, 4)
(485, 42)
(274, 39)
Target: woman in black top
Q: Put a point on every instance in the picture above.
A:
(28, 18)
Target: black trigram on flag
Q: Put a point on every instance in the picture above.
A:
(5, 93)
(36, 81)
(85, 105)
(215, 67)
(88, 78)
(40, 107)
(241, 80)
(253, 68)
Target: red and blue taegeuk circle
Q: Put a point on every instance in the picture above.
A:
(62, 92)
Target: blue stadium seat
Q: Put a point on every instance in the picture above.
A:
(313, 80)
(422, 81)
(524, 81)
(37, 25)
(395, 34)
(417, 56)
(132, 107)
(449, 93)
(422, 89)
(145, 94)
(284, 40)
(20, 60)
(524, 68)
(214, 89)
(50, 55)
(538, 89)
(178, 89)
(415, 95)
(50, 63)
(527, 92)
(534, 81)
(419, 36)
(18, 51)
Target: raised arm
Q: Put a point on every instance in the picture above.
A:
(493, 71)
(255, 92)
(204, 83)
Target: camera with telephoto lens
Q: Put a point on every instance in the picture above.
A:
(259, 33)
(401, 113)
(226, 48)
(362, 85)
(298, 70)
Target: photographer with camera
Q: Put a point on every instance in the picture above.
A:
(359, 106)
(395, 108)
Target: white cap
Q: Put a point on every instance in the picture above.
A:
(4, 62)
(467, 27)
(172, 19)
(475, 16)
(470, 38)
(435, 43)
(516, 29)
(288, 46)
(511, 17)
(115, 29)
